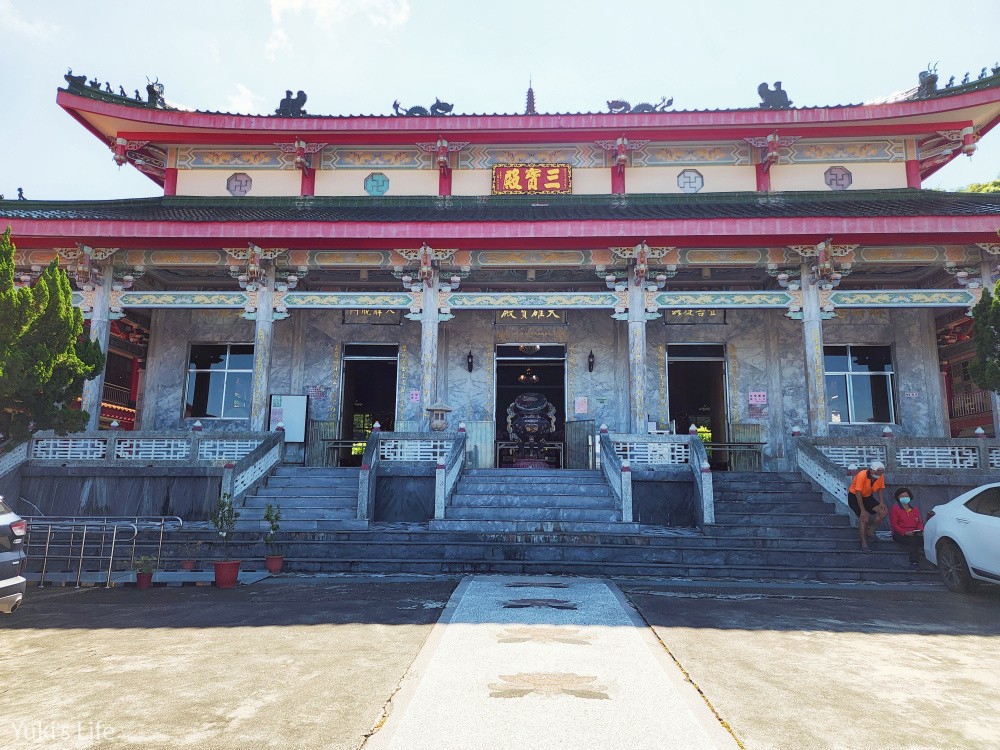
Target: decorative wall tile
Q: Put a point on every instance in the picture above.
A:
(367, 158)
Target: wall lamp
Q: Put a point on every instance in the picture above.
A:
(590, 361)
(469, 361)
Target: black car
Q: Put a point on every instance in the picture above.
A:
(12, 583)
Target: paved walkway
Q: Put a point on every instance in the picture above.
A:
(545, 663)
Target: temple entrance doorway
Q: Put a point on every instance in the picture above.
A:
(530, 402)
(697, 393)
(368, 395)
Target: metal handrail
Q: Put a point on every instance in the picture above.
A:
(65, 532)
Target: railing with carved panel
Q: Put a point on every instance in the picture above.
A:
(114, 448)
(833, 478)
(13, 458)
(969, 404)
(955, 454)
(116, 394)
(412, 448)
(250, 471)
(447, 472)
(618, 474)
(672, 450)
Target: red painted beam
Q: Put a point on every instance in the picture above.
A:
(880, 119)
(743, 232)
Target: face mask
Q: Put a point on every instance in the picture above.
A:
(904, 500)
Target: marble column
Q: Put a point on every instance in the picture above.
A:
(637, 353)
(986, 268)
(263, 343)
(812, 334)
(100, 331)
(429, 323)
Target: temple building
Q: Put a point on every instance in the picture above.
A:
(748, 274)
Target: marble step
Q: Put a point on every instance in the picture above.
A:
(749, 486)
(313, 482)
(805, 506)
(766, 497)
(462, 498)
(807, 531)
(661, 570)
(326, 491)
(500, 513)
(558, 488)
(530, 526)
(825, 520)
(310, 501)
(316, 471)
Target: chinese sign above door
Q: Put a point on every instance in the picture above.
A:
(531, 317)
(694, 316)
(532, 179)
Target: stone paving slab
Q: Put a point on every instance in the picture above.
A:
(837, 667)
(545, 662)
(286, 664)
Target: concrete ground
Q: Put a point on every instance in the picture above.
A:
(285, 663)
(311, 663)
(837, 669)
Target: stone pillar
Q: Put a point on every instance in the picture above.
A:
(637, 353)
(429, 321)
(100, 331)
(263, 342)
(986, 268)
(812, 335)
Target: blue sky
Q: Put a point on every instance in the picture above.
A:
(357, 56)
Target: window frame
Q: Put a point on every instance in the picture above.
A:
(225, 380)
(848, 374)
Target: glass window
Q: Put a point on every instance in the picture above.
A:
(220, 381)
(986, 503)
(859, 384)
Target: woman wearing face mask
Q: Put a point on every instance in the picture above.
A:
(907, 526)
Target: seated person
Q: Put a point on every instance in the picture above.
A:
(907, 526)
(866, 498)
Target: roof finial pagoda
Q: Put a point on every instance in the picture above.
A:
(529, 108)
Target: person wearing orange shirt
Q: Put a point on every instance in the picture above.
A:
(866, 497)
(907, 526)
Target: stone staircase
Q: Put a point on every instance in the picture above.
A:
(311, 499)
(769, 527)
(532, 501)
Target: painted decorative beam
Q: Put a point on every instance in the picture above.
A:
(532, 300)
(904, 298)
(349, 300)
(537, 300)
(668, 300)
(214, 300)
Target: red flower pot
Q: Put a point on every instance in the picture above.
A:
(143, 580)
(226, 573)
(273, 563)
(188, 564)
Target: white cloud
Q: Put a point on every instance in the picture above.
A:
(15, 23)
(245, 101)
(277, 42)
(326, 12)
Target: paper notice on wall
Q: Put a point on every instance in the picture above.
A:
(414, 396)
(757, 404)
(580, 405)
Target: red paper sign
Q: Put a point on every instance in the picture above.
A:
(532, 179)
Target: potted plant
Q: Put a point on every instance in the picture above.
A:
(189, 555)
(224, 520)
(144, 566)
(272, 560)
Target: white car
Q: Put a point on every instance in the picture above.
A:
(962, 538)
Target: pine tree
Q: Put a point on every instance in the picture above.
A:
(985, 367)
(44, 357)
